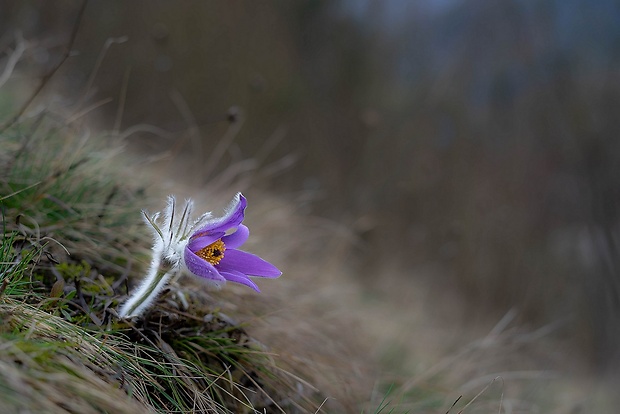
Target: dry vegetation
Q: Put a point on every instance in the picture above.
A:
(72, 246)
(370, 314)
(317, 337)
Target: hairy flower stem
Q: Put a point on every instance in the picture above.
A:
(153, 283)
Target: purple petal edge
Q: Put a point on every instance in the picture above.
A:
(236, 239)
(199, 242)
(201, 267)
(247, 263)
(232, 218)
(239, 277)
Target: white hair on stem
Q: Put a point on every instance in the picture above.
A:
(170, 241)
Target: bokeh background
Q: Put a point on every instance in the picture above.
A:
(471, 144)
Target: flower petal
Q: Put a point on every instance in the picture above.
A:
(232, 217)
(236, 239)
(247, 263)
(239, 277)
(198, 242)
(201, 267)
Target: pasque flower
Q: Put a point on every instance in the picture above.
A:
(206, 247)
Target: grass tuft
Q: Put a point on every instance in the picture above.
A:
(73, 243)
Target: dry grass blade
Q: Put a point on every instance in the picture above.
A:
(58, 313)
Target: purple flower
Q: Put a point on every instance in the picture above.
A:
(212, 250)
(209, 252)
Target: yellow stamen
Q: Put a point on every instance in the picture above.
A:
(213, 253)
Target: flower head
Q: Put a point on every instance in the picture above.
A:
(206, 247)
(211, 251)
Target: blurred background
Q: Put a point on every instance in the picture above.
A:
(473, 143)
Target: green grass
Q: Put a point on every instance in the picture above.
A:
(72, 244)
